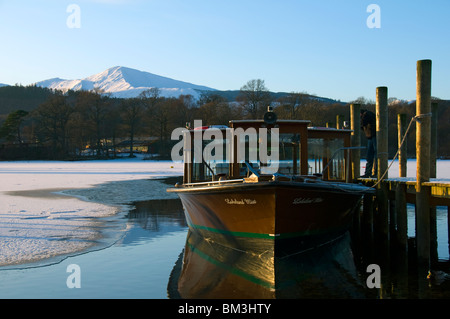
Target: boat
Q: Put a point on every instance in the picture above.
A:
(272, 181)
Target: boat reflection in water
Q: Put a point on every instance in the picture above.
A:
(207, 269)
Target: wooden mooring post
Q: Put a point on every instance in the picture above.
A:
(433, 174)
(434, 138)
(423, 145)
(401, 210)
(355, 126)
(402, 154)
(400, 189)
(382, 161)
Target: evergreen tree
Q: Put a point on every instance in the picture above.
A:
(11, 128)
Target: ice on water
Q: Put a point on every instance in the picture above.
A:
(50, 209)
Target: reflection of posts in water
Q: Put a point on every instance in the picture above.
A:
(402, 216)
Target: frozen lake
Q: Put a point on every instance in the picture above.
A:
(38, 220)
(52, 213)
(50, 209)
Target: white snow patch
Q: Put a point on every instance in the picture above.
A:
(40, 218)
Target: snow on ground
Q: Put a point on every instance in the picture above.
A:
(38, 220)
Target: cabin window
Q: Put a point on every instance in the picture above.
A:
(260, 154)
(326, 156)
(289, 162)
(210, 157)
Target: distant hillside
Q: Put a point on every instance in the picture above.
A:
(232, 95)
(27, 98)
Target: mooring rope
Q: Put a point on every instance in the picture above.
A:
(413, 119)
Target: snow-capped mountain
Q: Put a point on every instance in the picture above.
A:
(124, 82)
(2, 84)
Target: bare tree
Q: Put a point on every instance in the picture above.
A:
(95, 105)
(132, 111)
(52, 123)
(216, 110)
(293, 102)
(255, 97)
(150, 97)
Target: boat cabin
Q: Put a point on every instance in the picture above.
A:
(284, 148)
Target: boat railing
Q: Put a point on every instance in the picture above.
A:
(219, 182)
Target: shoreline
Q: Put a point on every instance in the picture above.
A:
(108, 229)
(50, 212)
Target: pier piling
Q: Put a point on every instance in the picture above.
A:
(382, 131)
(355, 125)
(400, 189)
(434, 138)
(384, 216)
(433, 174)
(423, 145)
(402, 155)
(382, 160)
(402, 215)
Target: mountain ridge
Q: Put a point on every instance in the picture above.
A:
(124, 82)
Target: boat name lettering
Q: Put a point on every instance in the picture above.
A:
(245, 201)
(301, 200)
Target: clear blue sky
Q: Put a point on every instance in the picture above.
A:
(323, 47)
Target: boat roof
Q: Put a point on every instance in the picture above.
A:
(328, 129)
(283, 123)
(277, 122)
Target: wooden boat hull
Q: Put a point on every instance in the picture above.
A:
(280, 212)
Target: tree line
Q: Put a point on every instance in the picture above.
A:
(65, 125)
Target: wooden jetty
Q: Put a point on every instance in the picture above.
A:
(386, 213)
